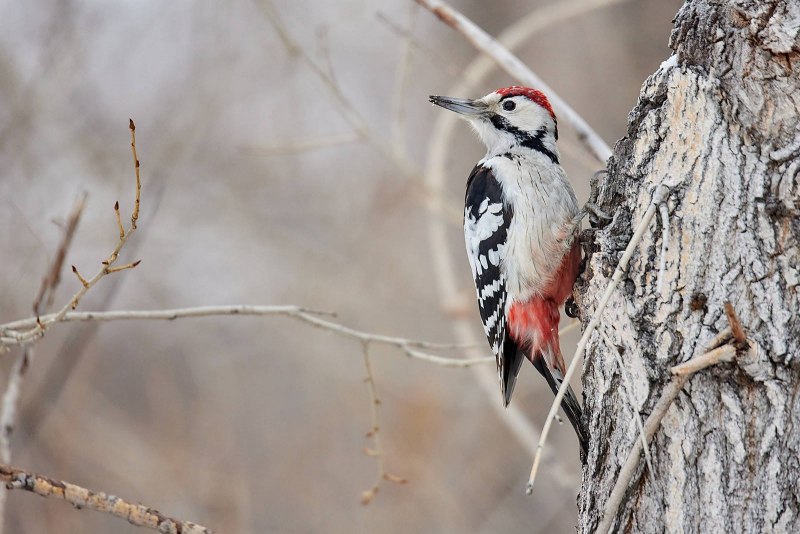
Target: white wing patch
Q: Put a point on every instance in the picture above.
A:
(477, 230)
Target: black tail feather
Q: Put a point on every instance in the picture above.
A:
(569, 403)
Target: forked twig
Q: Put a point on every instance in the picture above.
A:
(37, 331)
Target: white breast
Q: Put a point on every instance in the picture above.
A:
(543, 227)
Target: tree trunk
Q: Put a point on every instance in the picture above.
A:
(718, 124)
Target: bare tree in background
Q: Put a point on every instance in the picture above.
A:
(718, 125)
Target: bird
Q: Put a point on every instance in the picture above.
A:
(521, 224)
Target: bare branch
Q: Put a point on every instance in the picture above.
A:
(135, 514)
(659, 197)
(8, 416)
(8, 413)
(517, 69)
(725, 353)
(309, 316)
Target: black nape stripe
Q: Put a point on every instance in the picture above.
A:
(534, 142)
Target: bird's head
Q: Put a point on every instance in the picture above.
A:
(507, 117)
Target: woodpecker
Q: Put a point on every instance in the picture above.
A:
(521, 220)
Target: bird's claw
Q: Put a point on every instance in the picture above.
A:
(590, 208)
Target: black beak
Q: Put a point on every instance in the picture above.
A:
(462, 106)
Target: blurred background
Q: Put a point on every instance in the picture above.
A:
(283, 148)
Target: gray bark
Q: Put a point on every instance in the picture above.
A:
(719, 125)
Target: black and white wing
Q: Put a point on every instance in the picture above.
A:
(486, 224)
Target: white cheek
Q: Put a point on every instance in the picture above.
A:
(491, 136)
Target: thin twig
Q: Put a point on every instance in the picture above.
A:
(135, 514)
(662, 264)
(376, 451)
(659, 196)
(135, 214)
(669, 394)
(735, 325)
(441, 62)
(517, 69)
(629, 397)
(119, 220)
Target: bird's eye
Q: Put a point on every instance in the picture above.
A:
(509, 105)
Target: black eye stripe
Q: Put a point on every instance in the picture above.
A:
(532, 141)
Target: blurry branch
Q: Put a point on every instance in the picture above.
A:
(416, 44)
(722, 348)
(135, 514)
(409, 346)
(377, 450)
(325, 53)
(517, 69)
(400, 86)
(358, 123)
(659, 196)
(12, 337)
(307, 144)
(53, 276)
(8, 413)
(8, 417)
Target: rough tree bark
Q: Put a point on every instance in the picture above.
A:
(718, 123)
